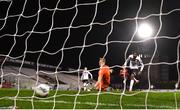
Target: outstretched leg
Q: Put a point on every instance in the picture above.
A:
(131, 82)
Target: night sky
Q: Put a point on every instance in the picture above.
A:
(24, 32)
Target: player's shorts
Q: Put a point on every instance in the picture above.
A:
(133, 71)
(85, 81)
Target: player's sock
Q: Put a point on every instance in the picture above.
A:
(131, 85)
(84, 86)
(136, 81)
(124, 81)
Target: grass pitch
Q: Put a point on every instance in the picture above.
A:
(90, 100)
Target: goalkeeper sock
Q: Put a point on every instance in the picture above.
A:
(131, 85)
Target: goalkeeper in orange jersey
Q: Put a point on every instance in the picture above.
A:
(103, 76)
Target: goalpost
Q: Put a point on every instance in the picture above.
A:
(51, 41)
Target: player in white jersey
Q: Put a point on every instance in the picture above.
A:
(85, 78)
(135, 62)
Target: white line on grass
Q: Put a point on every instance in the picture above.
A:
(102, 104)
(152, 106)
(67, 102)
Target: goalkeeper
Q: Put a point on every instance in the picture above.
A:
(103, 76)
(85, 78)
(134, 62)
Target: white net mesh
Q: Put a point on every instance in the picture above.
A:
(51, 42)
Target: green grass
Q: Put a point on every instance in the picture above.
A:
(88, 100)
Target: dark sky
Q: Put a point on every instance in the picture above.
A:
(49, 30)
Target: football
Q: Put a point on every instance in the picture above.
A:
(42, 90)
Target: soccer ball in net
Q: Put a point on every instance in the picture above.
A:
(42, 90)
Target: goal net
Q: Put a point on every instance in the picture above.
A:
(51, 42)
